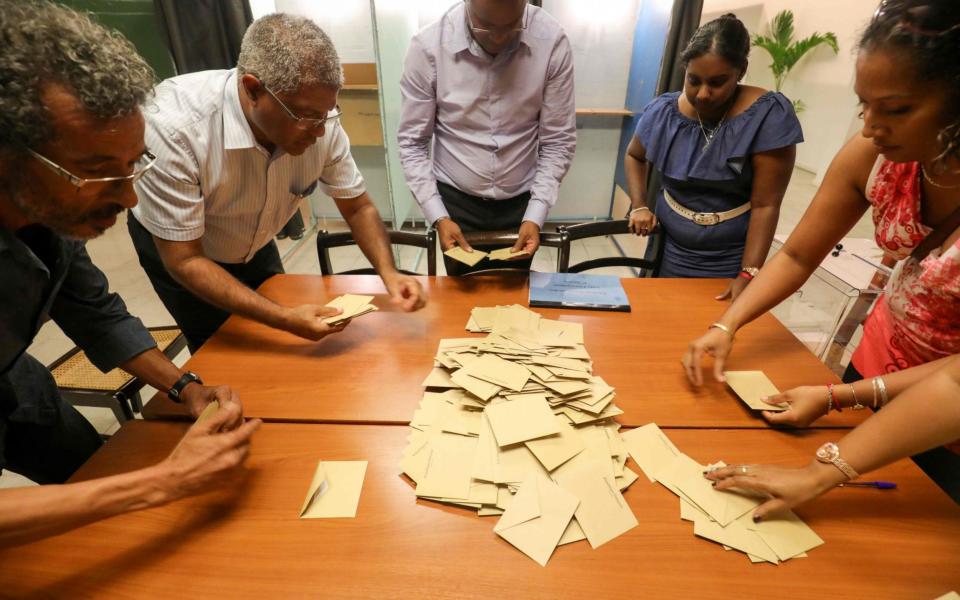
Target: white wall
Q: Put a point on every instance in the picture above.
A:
(823, 81)
(601, 35)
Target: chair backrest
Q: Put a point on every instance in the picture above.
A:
(327, 240)
(572, 233)
(501, 239)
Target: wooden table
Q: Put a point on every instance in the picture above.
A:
(899, 544)
(372, 371)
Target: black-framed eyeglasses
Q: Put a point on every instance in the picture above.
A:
(482, 32)
(930, 18)
(304, 123)
(144, 164)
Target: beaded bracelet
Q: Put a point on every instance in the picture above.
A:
(833, 401)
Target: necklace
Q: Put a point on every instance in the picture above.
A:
(934, 183)
(708, 136)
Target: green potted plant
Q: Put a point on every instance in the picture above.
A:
(786, 52)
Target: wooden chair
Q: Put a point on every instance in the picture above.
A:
(82, 384)
(503, 239)
(326, 241)
(572, 233)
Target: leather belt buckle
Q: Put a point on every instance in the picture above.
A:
(706, 219)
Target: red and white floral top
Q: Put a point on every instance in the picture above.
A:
(917, 319)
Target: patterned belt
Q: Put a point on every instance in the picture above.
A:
(705, 219)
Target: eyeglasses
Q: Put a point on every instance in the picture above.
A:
(481, 32)
(930, 18)
(304, 123)
(81, 182)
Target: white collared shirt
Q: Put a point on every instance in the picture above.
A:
(214, 182)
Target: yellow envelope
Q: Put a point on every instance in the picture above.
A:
(521, 420)
(498, 371)
(603, 513)
(650, 449)
(554, 450)
(468, 258)
(735, 535)
(351, 305)
(537, 518)
(570, 331)
(505, 254)
(478, 387)
(335, 490)
(447, 473)
(573, 533)
(209, 411)
(440, 379)
(751, 386)
(786, 534)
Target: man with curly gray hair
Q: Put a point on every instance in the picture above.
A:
(71, 146)
(237, 152)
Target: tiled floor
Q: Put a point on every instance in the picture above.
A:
(113, 252)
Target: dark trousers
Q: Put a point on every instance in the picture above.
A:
(472, 213)
(940, 464)
(48, 451)
(196, 318)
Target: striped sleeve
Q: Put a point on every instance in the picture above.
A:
(340, 177)
(170, 203)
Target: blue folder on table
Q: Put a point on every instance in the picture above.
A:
(577, 290)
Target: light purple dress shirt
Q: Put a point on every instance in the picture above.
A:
(500, 126)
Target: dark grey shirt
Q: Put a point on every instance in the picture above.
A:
(45, 276)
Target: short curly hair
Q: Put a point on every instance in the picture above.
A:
(286, 52)
(47, 43)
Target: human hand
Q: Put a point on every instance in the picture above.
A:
(196, 397)
(736, 286)
(642, 222)
(806, 404)
(406, 292)
(528, 240)
(307, 322)
(715, 342)
(207, 457)
(450, 235)
(784, 487)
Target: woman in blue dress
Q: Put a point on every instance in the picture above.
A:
(725, 152)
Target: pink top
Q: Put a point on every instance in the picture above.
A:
(917, 319)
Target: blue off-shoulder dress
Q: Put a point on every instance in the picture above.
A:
(712, 179)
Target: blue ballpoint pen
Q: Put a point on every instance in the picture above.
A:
(880, 485)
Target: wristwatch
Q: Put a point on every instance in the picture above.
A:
(829, 453)
(186, 379)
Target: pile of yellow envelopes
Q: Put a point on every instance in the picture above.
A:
(516, 424)
(723, 516)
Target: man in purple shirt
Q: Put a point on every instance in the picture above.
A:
(491, 86)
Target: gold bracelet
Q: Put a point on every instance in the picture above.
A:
(721, 327)
(873, 384)
(856, 402)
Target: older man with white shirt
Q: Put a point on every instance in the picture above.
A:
(489, 89)
(237, 150)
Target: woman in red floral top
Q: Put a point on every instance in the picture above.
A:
(905, 168)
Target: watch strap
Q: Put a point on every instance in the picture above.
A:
(175, 393)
